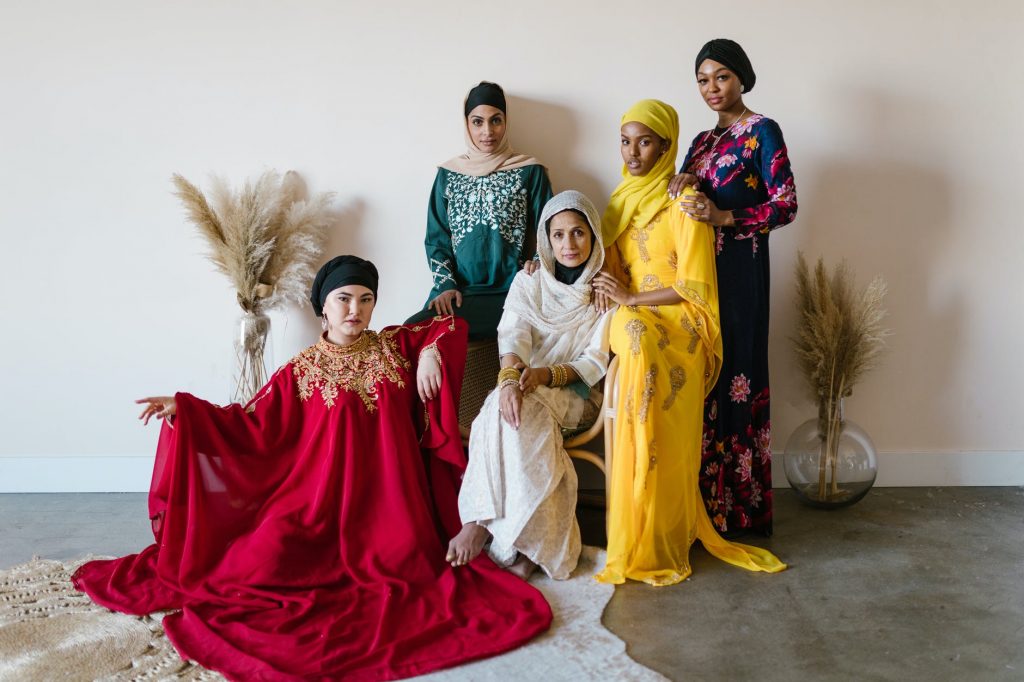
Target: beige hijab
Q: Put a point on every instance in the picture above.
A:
(478, 164)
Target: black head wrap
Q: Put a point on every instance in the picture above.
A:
(564, 273)
(487, 93)
(731, 55)
(339, 272)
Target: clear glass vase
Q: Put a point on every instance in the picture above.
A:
(252, 355)
(830, 462)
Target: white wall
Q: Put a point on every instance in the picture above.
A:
(902, 121)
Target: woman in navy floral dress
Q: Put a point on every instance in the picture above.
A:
(745, 189)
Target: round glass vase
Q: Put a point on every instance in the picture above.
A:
(252, 355)
(830, 462)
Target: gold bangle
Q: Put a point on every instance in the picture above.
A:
(559, 375)
(508, 382)
(509, 374)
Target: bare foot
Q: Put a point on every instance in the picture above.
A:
(522, 567)
(467, 545)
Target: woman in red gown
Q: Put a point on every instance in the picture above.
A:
(303, 536)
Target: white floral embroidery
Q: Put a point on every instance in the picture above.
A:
(441, 271)
(497, 201)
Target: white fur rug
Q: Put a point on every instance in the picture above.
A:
(49, 631)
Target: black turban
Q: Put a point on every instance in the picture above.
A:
(731, 55)
(490, 94)
(339, 272)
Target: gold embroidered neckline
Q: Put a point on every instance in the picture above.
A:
(357, 346)
(359, 367)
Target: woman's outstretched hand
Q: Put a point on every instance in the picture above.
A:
(442, 303)
(681, 181)
(428, 377)
(161, 407)
(605, 284)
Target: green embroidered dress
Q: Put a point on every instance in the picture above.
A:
(480, 231)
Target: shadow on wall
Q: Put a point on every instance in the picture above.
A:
(344, 236)
(887, 212)
(551, 133)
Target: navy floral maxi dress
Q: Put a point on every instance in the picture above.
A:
(744, 169)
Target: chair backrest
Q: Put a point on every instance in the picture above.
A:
(482, 366)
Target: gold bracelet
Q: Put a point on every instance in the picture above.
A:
(509, 374)
(508, 382)
(559, 375)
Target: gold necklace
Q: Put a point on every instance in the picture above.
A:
(719, 137)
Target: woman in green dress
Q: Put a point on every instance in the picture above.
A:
(479, 220)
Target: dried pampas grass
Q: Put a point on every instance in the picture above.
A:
(839, 338)
(267, 238)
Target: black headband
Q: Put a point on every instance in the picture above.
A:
(339, 272)
(729, 54)
(490, 94)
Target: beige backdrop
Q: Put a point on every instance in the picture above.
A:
(902, 121)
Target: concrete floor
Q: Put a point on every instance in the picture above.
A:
(909, 584)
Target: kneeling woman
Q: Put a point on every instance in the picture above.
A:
(303, 536)
(520, 486)
(666, 335)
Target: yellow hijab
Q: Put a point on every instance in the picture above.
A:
(640, 198)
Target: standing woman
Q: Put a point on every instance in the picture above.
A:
(666, 335)
(480, 220)
(745, 189)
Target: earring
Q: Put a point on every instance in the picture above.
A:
(323, 322)
(743, 88)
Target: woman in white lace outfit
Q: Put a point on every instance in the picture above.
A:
(519, 489)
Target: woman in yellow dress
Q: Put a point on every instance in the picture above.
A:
(661, 272)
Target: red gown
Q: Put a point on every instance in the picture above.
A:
(303, 536)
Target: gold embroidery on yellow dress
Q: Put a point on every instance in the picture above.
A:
(636, 329)
(663, 339)
(692, 331)
(648, 394)
(676, 381)
(359, 367)
(651, 283)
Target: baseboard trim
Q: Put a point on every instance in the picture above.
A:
(132, 473)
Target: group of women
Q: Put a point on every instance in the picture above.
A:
(335, 527)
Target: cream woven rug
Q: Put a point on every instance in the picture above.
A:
(48, 631)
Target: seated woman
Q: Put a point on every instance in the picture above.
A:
(666, 336)
(480, 219)
(520, 485)
(303, 535)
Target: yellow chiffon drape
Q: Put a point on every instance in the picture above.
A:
(669, 359)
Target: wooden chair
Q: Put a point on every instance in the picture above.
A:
(605, 422)
(482, 365)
